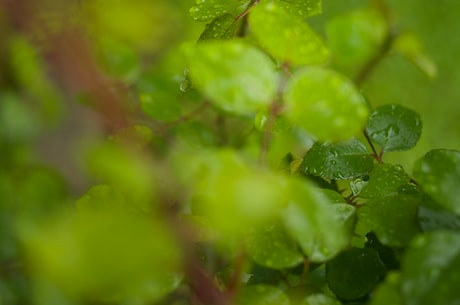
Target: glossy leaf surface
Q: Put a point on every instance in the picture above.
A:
(434, 219)
(209, 9)
(222, 27)
(385, 180)
(313, 224)
(237, 77)
(354, 273)
(272, 247)
(438, 172)
(288, 38)
(261, 295)
(431, 270)
(394, 127)
(343, 160)
(325, 104)
(393, 218)
(302, 8)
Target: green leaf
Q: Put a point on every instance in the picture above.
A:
(393, 218)
(438, 173)
(385, 180)
(394, 127)
(431, 270)
(433, 219)
(222, 27)
(355, 37)
(344, 160)
(261, 295)
(389, 291)
(286, 37)
(302, 8)
(272, 247)
(319, 299)
(237, 77)
(325, 104)
(209, 9)
(354, 273)
(312, 222)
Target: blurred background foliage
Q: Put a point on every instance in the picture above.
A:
(59, 61)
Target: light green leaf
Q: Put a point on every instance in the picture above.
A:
(354, 273)
(385, 180)
(389, 291)
(261, 295)
(286, 37)
(222, 27)
(344, 160)
(431, 270)
(237, 77)
(438, 173)
(394, 127)
(325, 104)
(355, 37)
(392, 218)
(209, 9)
(302, 8)
(312, 222)
(272, 247)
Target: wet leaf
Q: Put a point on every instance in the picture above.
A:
(222, 27)
(343, 160)
(438, 173)
(434, 219)
(261, 295)
(312, 222)
(302, 8)
(325, 104)
(205, 10)
(237, 77)
(287, 38)
(385, 180)
(272, 247)
(431, 270)
(393, 218)
(394, 127)
(354, 273)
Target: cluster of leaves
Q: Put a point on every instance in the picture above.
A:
(261, 181)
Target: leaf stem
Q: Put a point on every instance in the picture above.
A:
(247, 10)
(377, 156)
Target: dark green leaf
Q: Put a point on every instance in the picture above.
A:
(343, 160)
(288, 38)
(385, 180)
(389, 291)
(222, 27)
(438, 173)
(236, 76)
(354, 273)
(302, 8)
(394, 127)
(325, 104)
(392, 218)
(209, 9)
(432, 219)
(431, 270)
(261, 295)
(263, 275)
(312, 222)
(272, 247)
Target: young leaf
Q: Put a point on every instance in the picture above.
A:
(430, 269)
(286, 37)
(438, 173)
(354, 273)
(222, 27)
(384, 180)
(272, 247)
(209, 9)
(394, 127)
(313, 224)
(325, 104)
(344, 160)
(392, 218)
(237, 77)
(302, 8)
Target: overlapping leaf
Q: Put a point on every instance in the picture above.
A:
(344, 160)
(385, 180)
(302, 8)
(205, 10)
(325, 104)
(286, 37)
